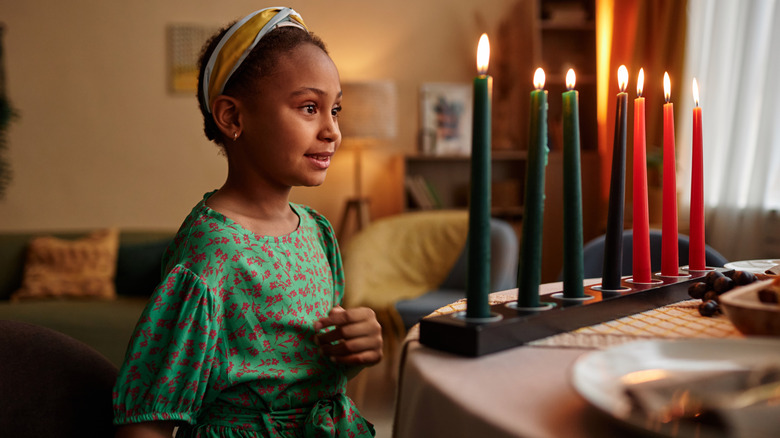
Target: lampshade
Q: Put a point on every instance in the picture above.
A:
(369, 110)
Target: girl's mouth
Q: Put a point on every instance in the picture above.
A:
(320, 161)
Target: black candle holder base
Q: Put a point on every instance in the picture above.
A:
(652, 282)
(518, 326)
(561, 296)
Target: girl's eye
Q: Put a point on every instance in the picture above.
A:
(335, 111)
(311, 108)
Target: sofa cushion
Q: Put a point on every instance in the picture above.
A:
(60, 268)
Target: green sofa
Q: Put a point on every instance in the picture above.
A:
(104, 325)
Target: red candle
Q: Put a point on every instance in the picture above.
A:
(669, 257)
(696, 259)
(642, 271)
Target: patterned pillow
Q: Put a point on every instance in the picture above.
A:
(58, 268)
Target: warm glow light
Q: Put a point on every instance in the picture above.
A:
(622, 78)
(695, 92)
(667, 88)
(539, 79)
(640, 82)
(644, 376)
(483, 54)
(571, 79)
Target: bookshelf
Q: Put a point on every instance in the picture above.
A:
(447, 177)
(567, 39)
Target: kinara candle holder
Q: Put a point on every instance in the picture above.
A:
(557, 314)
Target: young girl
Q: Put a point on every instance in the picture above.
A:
(244, 336)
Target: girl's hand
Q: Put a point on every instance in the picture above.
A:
(355, 337)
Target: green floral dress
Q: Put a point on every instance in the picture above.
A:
(226, 344)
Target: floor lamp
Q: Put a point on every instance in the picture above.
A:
(368, 119)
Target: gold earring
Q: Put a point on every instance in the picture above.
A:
(235, 135)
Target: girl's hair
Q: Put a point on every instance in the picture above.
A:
(260, 63)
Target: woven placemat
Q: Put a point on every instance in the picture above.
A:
(673, 321)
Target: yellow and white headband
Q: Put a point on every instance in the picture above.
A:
(236, 44)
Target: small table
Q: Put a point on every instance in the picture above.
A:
(525, 391)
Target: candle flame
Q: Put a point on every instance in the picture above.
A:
(483, 54)
(640, 82)
(539, 79)
(571, 79)
(695, 92)
(667, 88)
(622, 78)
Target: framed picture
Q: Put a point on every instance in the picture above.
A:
(445, 110)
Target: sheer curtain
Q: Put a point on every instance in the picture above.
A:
(733, 50)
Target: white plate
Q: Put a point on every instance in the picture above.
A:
(598, 376)
(754, 266)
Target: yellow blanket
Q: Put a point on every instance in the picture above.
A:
(402, 257)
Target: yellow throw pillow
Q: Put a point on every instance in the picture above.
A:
(83, 268)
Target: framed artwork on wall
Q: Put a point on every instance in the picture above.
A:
(445, 118)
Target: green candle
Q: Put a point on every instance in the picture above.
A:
(478, 276)
(530, 271)
(572, 194)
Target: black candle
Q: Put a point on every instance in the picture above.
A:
(572, 193)
(613, 245)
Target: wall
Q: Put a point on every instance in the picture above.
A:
(101, 141)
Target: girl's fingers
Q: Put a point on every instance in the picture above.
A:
(351, 330)
(355, 336)
(351, 346)
(338, 316)
(330, 319)
(368, 357)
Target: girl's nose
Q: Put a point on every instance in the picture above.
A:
(330, 131)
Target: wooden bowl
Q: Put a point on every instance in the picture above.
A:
(750, 315)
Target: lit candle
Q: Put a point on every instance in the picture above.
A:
(696, 251)
(572, 193)
(642, 271)
(530, 270)
(478, 283)
(613, 244)
(669, 257)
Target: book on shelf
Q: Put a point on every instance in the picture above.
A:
(422, 193)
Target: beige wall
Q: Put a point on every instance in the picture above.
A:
(102, 142)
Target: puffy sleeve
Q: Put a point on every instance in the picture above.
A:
(174, 355)
(331, 248)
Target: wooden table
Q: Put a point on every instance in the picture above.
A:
(526, 391)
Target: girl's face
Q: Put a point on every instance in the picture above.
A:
(289, 127)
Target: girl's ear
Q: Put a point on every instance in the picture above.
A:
(226, 116)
